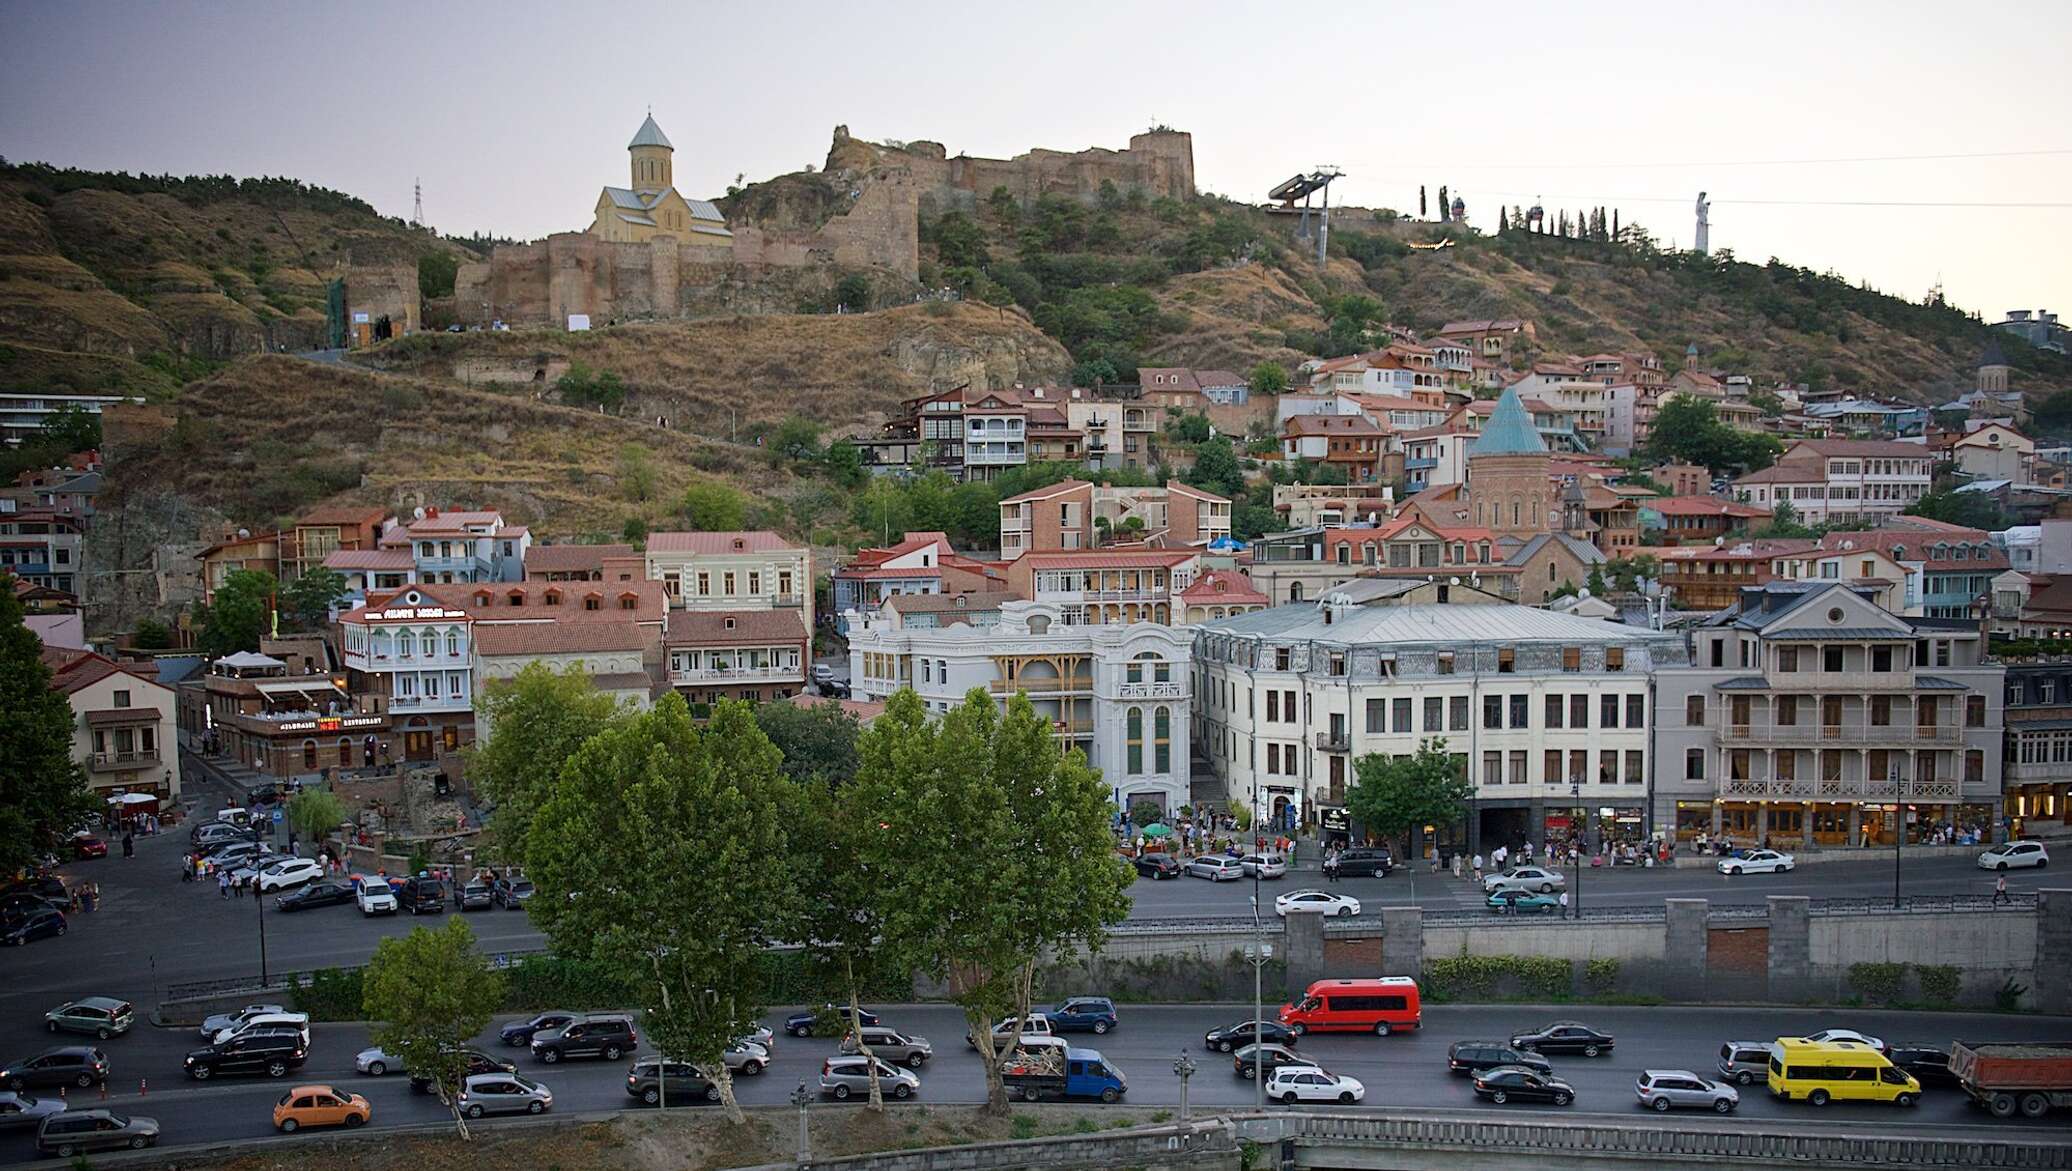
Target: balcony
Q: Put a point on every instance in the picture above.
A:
(1420, 465)
(2040, 771)
(115, 762)
(1859, 732)
(1841, 789)
(430, 703)
(1899, 680)
(708, 676)
(1132, 595)
(1151, 691)
(1037, 688)
(787, 601)
(1334, 741)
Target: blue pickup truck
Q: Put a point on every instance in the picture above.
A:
(1042, 1067)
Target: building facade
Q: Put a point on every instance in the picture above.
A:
(409, 656)
(717, 571)
(122, 725)
(1842, 479)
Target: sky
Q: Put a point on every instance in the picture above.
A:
(512, 115)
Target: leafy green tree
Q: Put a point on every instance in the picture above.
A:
(1003, 205)
(1269, 378)
(1190, 428)
(1216, 468)
(1784, 523)
(312, 813)
(307, 600)
(42, 790)
(797, 440)
(713, 507)
(435, 274)
(1391, 796)
(582, 387)
(818, 740)
(853, 292)
(634, 531)
(152, 635)
(1688, 430)
(845, 463)
(1628, 572)
(958, 241)
(240, 615)
(1971, 509)
(1595, 582)
(430, 992)
(537, 720)
(70, 428)
(694, 888)
(843, 922)
(1095, 372)
(638, 475)
(882, 511)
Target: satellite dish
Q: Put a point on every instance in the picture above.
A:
(1718, 542)
(417, 513)
(1453, 580)
(1583, 593)
(244, 534)
(1848, 545)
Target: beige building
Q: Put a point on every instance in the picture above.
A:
(715, 572)
(1070, 515)
(122, 724)
(652, 208)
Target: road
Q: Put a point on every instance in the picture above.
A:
(1405, 1070)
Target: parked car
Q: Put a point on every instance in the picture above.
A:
(1564, 1037)
(890, 1044)
(746, 1058)
(319, 1106)
(423, 895)
(85, 845)
(47, 923)
(67, 1065)
(290, 872)
(503, 1093)
(75, 1132)
(474, 895)
(1158, 866)
(1532, 878)
(317, 894)
(293, 1022)
(1514, 901)
(2014, 855)
(1365, 862)
(214, 1026)
(1216, 868)
(1083, 1014)
(1248, 1058)
(843, 1076)
(1929, 1065)
(511, 893)
(1267, 865)
(1007, 1030)
(19, 904)
(1744, 1062)
(1516, 1084)
(606, 1035)
(275, 1054)
(1312, 1083)
(764, 1036)
(248, 871)
(1238, 1033)
(1465, 1058)
(653, 1081)
(19, 1110)
(1826, 1035)
(1663, 1090)
(102, 1016)
(476, 1062)
(1758, 862)
(375, 1061)
(523, 1032)
(834, 1017)
(822, 672)
(1321, 902)
(376, 898)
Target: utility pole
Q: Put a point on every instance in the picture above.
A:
(1185, 1068)
(1258, 957)
(417, 206)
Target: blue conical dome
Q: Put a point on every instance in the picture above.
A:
(1509, 430)
(650, 134)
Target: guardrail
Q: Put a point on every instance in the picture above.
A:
(289, 981)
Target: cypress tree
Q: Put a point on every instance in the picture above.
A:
(42, 790)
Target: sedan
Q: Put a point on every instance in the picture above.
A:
(376, 1061)
(1758, 862)
(1826, 1035)
(1533, 878)
(18, 1110)
(1663, 1090)
(1564, 1037)
(1264, 865)
(102, 1016)
(48, 923)
(836, 1018)
(291, 872)
(1239, 1033)
(746, 1058)
(1311, 1083)
(503, 1093)
(88, 846)
(473, 895)
(316, 894)
(1158, 866)
(1514, 901)
(1511, 1084)
(2014, 855)
(473, 1061)
(1929, 1065)
(224, 1022)
(1246, 1061)
(1320, 902)
(521, 1034)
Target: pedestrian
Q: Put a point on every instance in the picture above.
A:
(1478, 868)
(223, 883)
(129, 844)
(1701, 842)
(1564, 904)
(1456, 864)
(2000, 891)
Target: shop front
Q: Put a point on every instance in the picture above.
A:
(1282, 808)
(294, 744)
(1336, 822)
(1693, 818)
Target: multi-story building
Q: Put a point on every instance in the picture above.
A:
(1891, 585)
(371, 571)
(1809, 716)
(1120, 692)
(1302, 506)
(2038, 752)
(1711, 577)
(462, 546)
(1995, 452)
(1630, 369)
(1221, 593)
(1950, 568)
(22, 415)
(1629, 417)
(921, 564)
(756, 570)
(1350, 443)
(310, 541)
(1396, 413)
(613, 653)
(1436, 456)
(1546, 714)
(1490, 339)
(41, 546)
(1107, 585)
(2040, 329)
(239, 551)
(1679, 520)
(1842, 479)
(122, 724)
(754, 655)
(409, 655)
(584, 563)
(996, 433)
(1075, 514)
(284, 712)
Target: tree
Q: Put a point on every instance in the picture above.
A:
(308, 599)
(1190, 428)
(431, 992)
(1216, 468)
(1628, 572)
(69, 428)
(1595, 582)
(713, 507)
(1971, 509)
(241, 613)
(695, 888)
(1688, 430)
(1391, 796)
(843, 922)
(435, 274)
(1784, 522)
(42, 790)
(797, 440)
(882, 511)
(637, 472)
(1269, 378)
(1094, 372)
(845, 463)
(582, 388)
(537, 720)
(853, 292)
(152, 635)
(312, 813)
(818, 740)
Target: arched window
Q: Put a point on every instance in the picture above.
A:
(345, 752)
(1294, 591)
(453, 642)
(1515, 518)
(1160, 613)
(309, 755)
(1134, 736)
(429, 643)
(1162, 741)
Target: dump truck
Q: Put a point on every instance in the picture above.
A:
(1045, 1067)
(2031, 1078)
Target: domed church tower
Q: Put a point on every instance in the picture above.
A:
(651, 151)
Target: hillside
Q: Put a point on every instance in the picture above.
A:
(138, 283)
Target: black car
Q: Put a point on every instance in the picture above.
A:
(836, 1017)
(44, 924)
(424, 895)
(316, 894)
(477, 1062)
(43, 886)
(67, 1065)
(1158, 866)
(262, 794)
(522, 1033)
(606, 1035)
(1361, 862)
(511, 893)
(19, 905)
(1247, 1060)
(272, 1053)
(1513, 1084)
(1231, 1036)
(1929, 1065)
(1564, 1037)
(1471, 1057)
(473, 895)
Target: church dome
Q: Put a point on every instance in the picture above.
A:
(650, 134)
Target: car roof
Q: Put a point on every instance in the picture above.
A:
(1655, 1073)
(318, 1088)
(98, 1002)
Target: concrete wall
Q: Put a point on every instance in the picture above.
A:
(1987, 949)
(1553, 939)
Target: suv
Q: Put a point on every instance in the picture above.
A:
(423, 895)
(1744, 1062)
(1090, 1014)
(1663, 1090)
(1009, 1030)
(1467, 1058)
(1361, 861)
(606, 1035)
(273, 1053)
(891, 1045)
(802, 1024)
(843, 1076)
(684, 1083)
(1216, 868)
(376, 897)
(1532, 878)
(103, 1016)
(511, 893)
(476, 1062)
(472, 895)
(76, 1131)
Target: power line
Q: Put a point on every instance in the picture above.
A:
(1601, 166)
(1622, 199)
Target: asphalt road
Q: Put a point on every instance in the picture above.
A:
(1405, 1070)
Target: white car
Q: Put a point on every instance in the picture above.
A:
(376, 1061)
(1846, 1035)
(1758, 862)
(268, 1020)
(1322, 902)
(291, 872)
(1308, 1083)
(1035, 1024)
(823, 673)
(2013, 856)
(1534, 878)
(233, 1020)
(376, 898)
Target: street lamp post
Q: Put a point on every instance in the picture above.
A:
(1575, 792)
(259, 904)
(1185, 1068)
(1258, 957)
(801, 1099)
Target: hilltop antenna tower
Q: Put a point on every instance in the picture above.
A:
(417, 207)
(1305, 188)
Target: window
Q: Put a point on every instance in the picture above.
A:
(1434, 714)
(1615, 658)
(593, 602)
(704, 585)
(1493, 711)
(1636, 711)
(1571, 658)
(1492, 768)
(1694, 710)
(1550, 766)
(1974, 767)
(1881, 658)
(453, 642)
(1273, 706)
(1787, 707)
(1377, 714)
(1280, 657)
(1608, 711)
(1974, 711)
(1555, 706)
(309, 755)
(1788, 659)
(1517, 770)
(1399, 714)
(727, 583)
(1162, 740)
(1578, 765)
(1506, 661)
(1521, 717)
(1578, 712)
(1694, 764)
(1445, 662)
(122, 699)
(755, 582)
(1457, 714)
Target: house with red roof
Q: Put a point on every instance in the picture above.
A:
(122, 724)
(716, 571)
(1221, 593)
(1683, 520)
(1842, 479)
(1107, 585)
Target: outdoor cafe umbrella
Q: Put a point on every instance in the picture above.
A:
(1158, 829)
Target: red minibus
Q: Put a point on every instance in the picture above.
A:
(1376, 1006)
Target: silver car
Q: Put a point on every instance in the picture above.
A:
(1663, 1090)
(18, 1109)
(746, 1058)
(1745, 1062)
(503, 1093)
(1532, 878)
(843, 1076)
(896, 1047)
(74, 1131)
(376, 1061)
(1267, 865)
(1216, 867)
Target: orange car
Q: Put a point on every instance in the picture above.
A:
(319, 1106)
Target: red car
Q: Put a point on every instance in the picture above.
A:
(89, 846)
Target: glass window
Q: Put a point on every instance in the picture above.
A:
(1134, 738)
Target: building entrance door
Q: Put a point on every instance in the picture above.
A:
(417, 740)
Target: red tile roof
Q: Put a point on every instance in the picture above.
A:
(1109, 559)
(756, 541)
(549, 637)
(1862, 448)
(749, 628)
(1703, 506)
(342, 514)
(1330, 425)
(1047, 491)
(1224, 585)
(391, 559)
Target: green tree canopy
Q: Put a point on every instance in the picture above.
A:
(1391, 796)
(537, 719)
(1971, 509)
(69, 428)
(1688, 430)
(818, 740)
(436, 272)
(713, 507)
(637, 472)
(307, 600)
(312, 813)
(241, 613)
(429, 993)
(796, 440)
(1269, 378)
(845, 463)
(43, 793)
(1216, 468)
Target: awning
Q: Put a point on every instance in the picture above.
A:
(298, 687)
(243, 660)
(123, 715)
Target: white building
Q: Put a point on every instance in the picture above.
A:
(122, 725)
(1119, 691)
(22, 415)
(611, 653)
(458, 546)
(411, 655)
(1842, 479)
(719, 571)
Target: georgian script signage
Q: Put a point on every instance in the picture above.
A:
(416, 613)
